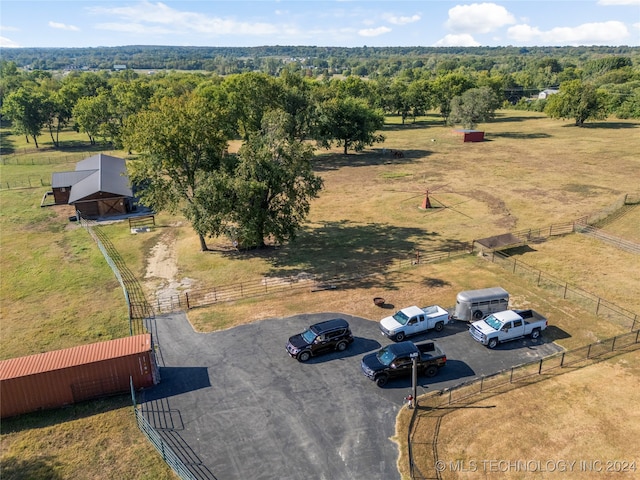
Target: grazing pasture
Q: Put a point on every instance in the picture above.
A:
(531, 171)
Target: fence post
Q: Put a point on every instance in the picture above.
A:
(511, 376)
(589, 351)
(564, 296)
(540, 368)
(562, 361)
(186, 297)
(598, 306)
(514, 265)
(539, 276)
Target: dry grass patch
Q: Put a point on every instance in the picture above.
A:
(585, 415)
(89, 441)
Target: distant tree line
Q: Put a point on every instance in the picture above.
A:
(179, 123)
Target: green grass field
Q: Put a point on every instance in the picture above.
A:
(532, 171)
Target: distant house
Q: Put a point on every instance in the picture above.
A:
(98, 187)
(119, 67)
(547, 92)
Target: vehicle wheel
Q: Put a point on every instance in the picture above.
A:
(399, 337)
(493, 343)
(341, 347)
(439, 326)
(304, 356)
(381, 381)
(535, 334)
(477, 314)
(431, 371)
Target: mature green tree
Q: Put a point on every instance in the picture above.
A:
(348, 122)
(474, 106)
(92, 115)
(250, 96)
(182, 141)
(28, 109)
(577, 100)
(296, 101)
(447, 86)
(266, 192)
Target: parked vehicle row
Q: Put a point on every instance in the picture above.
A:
(494, 325)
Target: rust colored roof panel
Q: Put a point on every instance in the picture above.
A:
(71, 357)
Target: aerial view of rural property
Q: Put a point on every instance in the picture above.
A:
(320, 240)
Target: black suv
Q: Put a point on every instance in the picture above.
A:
(320, 338)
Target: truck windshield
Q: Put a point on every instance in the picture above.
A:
(493, 322)
(385, 356)
(308, 336)
(401, 318)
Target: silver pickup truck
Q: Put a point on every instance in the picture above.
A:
(507, 325)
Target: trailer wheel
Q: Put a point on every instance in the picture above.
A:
(438, 326)
(304, 356)
(477, 314)
(381, 381)
(493, 343)
(399, 336)
(431, 371)
(535, 334)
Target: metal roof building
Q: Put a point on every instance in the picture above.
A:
(98, 187)
(62, 377)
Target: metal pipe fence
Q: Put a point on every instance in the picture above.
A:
(328, 279)
(439, 403)
(164, 449)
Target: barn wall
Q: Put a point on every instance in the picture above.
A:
(61, 195)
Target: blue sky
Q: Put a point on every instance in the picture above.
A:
(344, 23)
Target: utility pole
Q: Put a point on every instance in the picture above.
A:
(414, 380)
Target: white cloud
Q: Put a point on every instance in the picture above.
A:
(463, 40)
(64, 26)
(618, 2)
(603, 33)
(5, 28)
(478, 18)
(8, 43)
(402, 20)
(148, 17)
(373, 32)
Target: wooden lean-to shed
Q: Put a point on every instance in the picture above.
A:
(63, 377)
(98, 187)
(471, 135)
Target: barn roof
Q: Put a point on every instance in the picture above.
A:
(100, 173)
(71, 357)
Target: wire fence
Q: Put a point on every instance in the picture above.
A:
(423, 452)
(589, 301)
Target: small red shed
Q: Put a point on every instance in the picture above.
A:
(471, 135)
(62, 377)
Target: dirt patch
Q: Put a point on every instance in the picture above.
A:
(161, 275)
(496, 207)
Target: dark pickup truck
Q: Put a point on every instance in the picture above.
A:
(396, 360)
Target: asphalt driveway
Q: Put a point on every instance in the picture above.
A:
(234, 405)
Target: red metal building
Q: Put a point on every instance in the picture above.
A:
(62, 377)
(471, 135)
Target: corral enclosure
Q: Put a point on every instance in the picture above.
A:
(369, 210)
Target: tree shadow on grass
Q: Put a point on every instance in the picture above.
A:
(43, 467)
(348, 255)
(610, 125)
(378, 156)
(521, 136)
(47, 418)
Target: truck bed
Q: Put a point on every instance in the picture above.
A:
(530, 316)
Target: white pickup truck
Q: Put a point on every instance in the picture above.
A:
(506, 326)
(414, 320)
